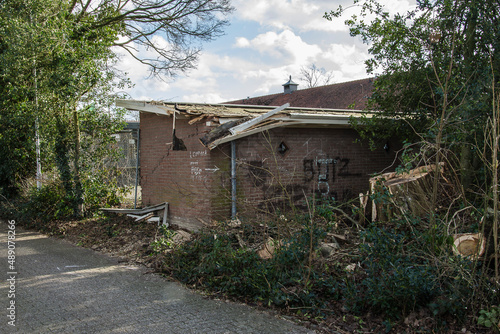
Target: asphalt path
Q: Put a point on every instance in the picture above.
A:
(51, 286)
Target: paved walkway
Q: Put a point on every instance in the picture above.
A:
(60, 288)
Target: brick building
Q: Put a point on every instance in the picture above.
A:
(211, 162)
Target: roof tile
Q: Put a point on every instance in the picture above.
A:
(352, 94)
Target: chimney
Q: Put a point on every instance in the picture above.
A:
(290, 86)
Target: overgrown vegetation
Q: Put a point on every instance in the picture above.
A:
(438, 88)
(58, 83)
(385, 272)
(215, 261)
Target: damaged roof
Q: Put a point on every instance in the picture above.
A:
(230, 121)
(336, 96)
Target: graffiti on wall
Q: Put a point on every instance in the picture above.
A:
(319, 175)
(196, 154)
(196, 171)
(328, 170)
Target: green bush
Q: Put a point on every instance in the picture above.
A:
(217, 263)
(101, 190)
(490, 318)
(402, 266)
(165, 242)
(47, 203)
(395, 281)
(211, 261)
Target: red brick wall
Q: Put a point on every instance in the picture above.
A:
(325, 163)
(182, 178)
(320, 163)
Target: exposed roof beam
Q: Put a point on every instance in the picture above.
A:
(256, 120)
(229, 138)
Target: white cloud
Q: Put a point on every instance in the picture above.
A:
(306, 15)
(292, 34)
(203, 98)
(303, 15)
(242, 42)
(146, 87)
(347, 61)
(285, 47)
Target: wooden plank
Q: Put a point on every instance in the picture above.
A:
(217, 142)
(148, 107)
(144, 217)
(239, 128)
(218, 132)
(141, 106)
(197, 119)
(165, 212)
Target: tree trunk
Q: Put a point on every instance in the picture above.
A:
(78, 208)
(411, 192)
(62, 158)
(466, 171)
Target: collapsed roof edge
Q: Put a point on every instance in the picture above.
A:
(247, 120)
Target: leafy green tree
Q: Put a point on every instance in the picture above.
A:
(57, 77)
(435, 68)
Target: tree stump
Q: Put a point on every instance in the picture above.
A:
(469, 245)
(409, 192)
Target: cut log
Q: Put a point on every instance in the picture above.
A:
(471, 245)
(328, 249)
(411, 193)
(268, 249)
(379, 208)
(363, 201)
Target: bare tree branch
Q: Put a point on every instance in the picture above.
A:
(314, 76)
(183, 24)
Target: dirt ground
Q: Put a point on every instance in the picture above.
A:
(115, 235)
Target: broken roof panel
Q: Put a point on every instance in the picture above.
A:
(237, 121)
(222, 110)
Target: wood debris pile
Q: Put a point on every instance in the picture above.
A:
(151, 214)
(410, 192)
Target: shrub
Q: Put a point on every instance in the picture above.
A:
(218, 264)
(50, 202)
(394, 281)
(101, 190)
(490, 318)
(165, 242)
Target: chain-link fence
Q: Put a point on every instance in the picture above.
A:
(126, 142)
(127, 164)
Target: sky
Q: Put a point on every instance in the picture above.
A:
(266, 42)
